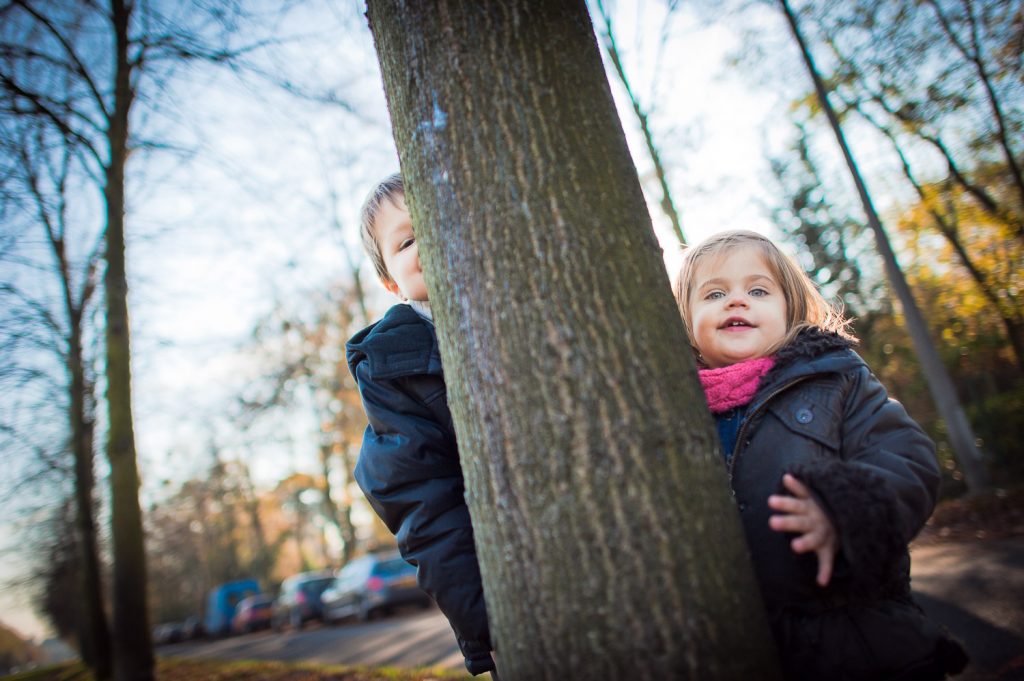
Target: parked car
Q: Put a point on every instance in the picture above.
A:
(372, 584)
(192, 627)
(222, 601)
(299, 599)
(253, 613)
(169, 632)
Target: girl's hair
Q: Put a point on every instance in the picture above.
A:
(805, 306)
(388, 189)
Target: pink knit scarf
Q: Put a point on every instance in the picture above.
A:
(734, 385)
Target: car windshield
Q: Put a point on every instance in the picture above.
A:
(391, 568)
(315, 586)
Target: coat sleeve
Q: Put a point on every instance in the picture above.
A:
(409, 470)
(883, 488)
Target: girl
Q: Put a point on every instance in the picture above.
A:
(832, 478)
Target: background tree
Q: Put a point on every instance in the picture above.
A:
(87, 73)
(837, 251)
(611, 46)
(943, 392)
(570, 396)
(936, 79)
(304, 350)
(48, 236)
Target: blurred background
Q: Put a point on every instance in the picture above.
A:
(255, 130)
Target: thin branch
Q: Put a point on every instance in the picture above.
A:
(72, 55)
(974, 56)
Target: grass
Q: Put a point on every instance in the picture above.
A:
(207, 670)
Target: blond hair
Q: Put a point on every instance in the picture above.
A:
(389, 189)
(805, 306)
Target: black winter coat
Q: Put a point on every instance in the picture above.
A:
(409, 469)
(821, 415)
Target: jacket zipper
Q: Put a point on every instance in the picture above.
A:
(750, 416)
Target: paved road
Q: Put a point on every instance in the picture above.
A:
(422, 639)
(976, 589)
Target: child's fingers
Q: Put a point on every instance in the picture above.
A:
(787, 504)
(791, 523)
(825, 559)
(812, 540)
(797, 488)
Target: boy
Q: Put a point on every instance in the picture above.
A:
(409, 463)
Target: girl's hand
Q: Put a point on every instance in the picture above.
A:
(803, 515)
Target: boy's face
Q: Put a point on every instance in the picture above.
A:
(393, 229)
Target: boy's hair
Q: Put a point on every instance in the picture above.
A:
(805, 306)
(388, 189)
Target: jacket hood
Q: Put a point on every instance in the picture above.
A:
(402, 342)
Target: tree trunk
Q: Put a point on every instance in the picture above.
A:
(940, 384)
(133, 647)
(94, 630)
(608, 541)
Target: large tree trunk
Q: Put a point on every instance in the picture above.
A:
(609, 544)
(133, 647)
(943, 392)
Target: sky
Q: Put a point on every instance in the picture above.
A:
(215, 252)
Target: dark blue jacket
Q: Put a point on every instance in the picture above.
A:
(821, 415)
(409, 469)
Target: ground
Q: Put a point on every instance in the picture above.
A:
(969, 574)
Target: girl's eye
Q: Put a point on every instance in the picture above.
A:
(405, 244)
(758, 292)
(713, 295)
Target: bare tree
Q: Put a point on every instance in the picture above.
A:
(612, 48)
(935, 79)
(86, 71)
(939, 382)
(584, 436)
(37, 177)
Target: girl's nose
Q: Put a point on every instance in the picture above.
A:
(736, 300)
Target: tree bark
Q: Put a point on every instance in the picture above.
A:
(608, 542)
(943, 392)
(133, 647)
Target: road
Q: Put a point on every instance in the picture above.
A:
(976, 589)
(418, 639)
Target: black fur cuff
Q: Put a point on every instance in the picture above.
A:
(866, 516)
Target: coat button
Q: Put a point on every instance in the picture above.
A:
(743, 507)
(804, 415)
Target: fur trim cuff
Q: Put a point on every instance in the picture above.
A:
(866, 516)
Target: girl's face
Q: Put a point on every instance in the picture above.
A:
(737, 307)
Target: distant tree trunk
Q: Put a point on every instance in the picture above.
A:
(668, 206)
(341, 517)
(133, 647)
(95, 632)
(940, 384)
(608, 541)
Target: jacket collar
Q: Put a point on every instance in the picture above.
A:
(401, 343)
(813, 351)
